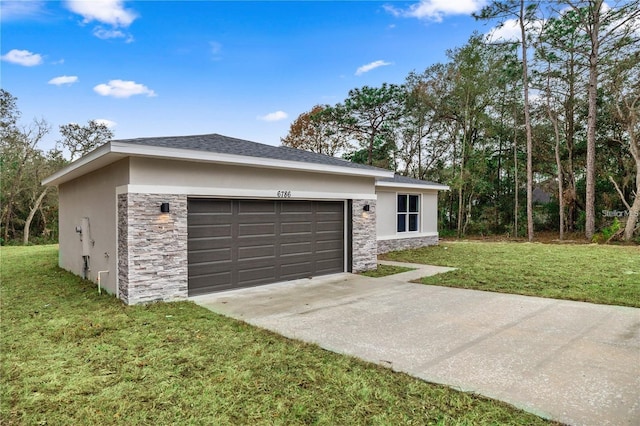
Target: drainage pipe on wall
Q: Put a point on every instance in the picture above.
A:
(99, 287)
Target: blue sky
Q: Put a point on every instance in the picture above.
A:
(242, 69)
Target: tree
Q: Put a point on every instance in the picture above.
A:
(607, 29)
(625, 87)
(80, 140)
(419, 135)
(17, 152)
(526, 14)
(316, 132)
(369, 115)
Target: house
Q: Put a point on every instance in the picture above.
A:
(166, 218)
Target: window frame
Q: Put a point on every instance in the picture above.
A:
(408, 214)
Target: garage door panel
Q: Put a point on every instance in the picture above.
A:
(324, 267)
(209, 219)
(210, 206)
(255, 207)
(296, 227)
(329, 236)
(204, 256)
(240, 243)
(248, 229)
(296, 270)
(209, 283)
(331, 226)
(335, 245)
(296, 207)
(207, 230)
(211, 268)
(296, 247)
(260, 274)
(200, 244)
(255, 252)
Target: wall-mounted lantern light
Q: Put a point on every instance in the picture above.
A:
(164, 207)
(366, 207)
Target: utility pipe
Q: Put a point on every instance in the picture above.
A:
(99, 288)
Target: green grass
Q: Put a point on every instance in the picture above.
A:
(385, 270)
(590, 273)
(71, 356)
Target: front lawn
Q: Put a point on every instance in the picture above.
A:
(385, 271)
(590, 273)
(71, 356)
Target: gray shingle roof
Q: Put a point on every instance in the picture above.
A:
(227, 145)
(409, 180)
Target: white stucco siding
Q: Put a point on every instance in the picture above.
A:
(386, 213)
(429, 214)
(246, 182)
(92, 196)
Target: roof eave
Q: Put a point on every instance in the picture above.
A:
(436, 187)
(114, 150)
(94, 160)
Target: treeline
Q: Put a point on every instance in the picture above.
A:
(28, 210)
(534, 136)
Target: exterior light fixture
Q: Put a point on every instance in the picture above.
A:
(164, 207)
(366, 207)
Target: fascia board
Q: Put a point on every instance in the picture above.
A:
(76, 168)
(412, 186)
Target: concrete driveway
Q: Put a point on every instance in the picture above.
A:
(577, 363)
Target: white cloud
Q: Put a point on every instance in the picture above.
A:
(63, 79)
(110, 12)
(274, 116)
(22, 57)
(436, 10)
(109, 123)
(123, 89)
(105, 34)
(14, 10)
(510, 31)
(370, 66)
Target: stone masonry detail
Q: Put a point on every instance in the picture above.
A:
(364, 248)
(152, 248)
(385, 246)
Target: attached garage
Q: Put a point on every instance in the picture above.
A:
(244, 243)
(166, 218)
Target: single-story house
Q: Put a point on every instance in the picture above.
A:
(166, 218)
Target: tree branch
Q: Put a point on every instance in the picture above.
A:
(620, 193)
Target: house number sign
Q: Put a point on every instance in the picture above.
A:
(284, 194)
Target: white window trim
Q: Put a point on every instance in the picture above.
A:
(419, 212)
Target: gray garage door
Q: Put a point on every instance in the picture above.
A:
(243, 243)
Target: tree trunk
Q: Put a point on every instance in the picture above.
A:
(634, 211)
(593, 27)
(515, 178)
(527, 124)
(32, 212)
(554, 121)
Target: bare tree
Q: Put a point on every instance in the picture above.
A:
(79, 140)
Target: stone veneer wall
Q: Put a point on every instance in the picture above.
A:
(364, 248)
(385, 246)
(152, 248)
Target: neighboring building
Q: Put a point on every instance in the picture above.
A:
(169, 217)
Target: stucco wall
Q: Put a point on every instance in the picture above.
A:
(92, 196)
(387, 206)
(225, 180)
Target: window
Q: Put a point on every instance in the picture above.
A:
(408, 213)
